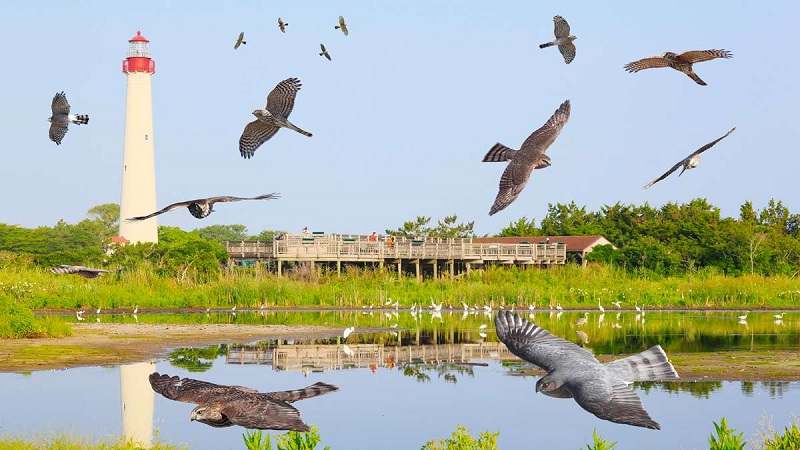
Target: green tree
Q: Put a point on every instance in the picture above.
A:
(107, 215)
(222, 233)
(522, 227)
(569, 220)
(450, 228)
(413, 229)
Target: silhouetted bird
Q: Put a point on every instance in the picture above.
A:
(224, 406)
(681, 63)
(573, 372)
(342, 26)
(530, 156)
(324, 52)
(691, 161)
(202, 207)
(239, 41)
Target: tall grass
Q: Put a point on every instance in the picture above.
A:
(68, 442)
(571, 286)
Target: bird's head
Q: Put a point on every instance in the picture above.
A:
(547, 383)
(208, 415)
(572, 37)
(259, 113)
(197, 413)
(543, 162)
(670, 55)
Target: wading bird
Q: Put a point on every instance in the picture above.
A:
(691, 161)
(224, 406)
(202, 207)
(531, 155)
(573, 372)
(681, 63)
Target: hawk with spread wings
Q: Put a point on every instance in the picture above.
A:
(681, 63)
(224, 406)
(272, 118)
(691, 161)
(573, 372)
(61, 118)
(202, 207)
(530, 156)
(563, 39)
(83, 271)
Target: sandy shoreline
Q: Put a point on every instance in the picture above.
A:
(98, 344)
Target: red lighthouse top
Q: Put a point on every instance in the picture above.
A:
(138, 59)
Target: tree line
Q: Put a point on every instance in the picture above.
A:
(667, 240)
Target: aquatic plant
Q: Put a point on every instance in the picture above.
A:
(598, 443)
(293, 440)
(725, 438)
(461, 439)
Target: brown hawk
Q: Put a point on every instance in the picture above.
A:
(682, 63)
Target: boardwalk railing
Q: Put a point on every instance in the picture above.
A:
(337, 247)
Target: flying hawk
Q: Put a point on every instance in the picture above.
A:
(239, 41)
(324, 52)
(573, 372)
(61, 118)
(681, 63)
(282, 25)
(202, 207)
(224, 406)
(563, 39)
(530, 156)
(342, 26)
(85, 272)
(691, 161)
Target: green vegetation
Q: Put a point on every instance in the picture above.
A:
(67, 442)
(461, 439)
(725, 438)
(293, 440)
(598, 443)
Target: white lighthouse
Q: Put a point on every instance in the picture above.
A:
(139, 169)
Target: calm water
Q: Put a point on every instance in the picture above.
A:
(400, 390)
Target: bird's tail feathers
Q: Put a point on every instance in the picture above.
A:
(298, 129)
(81, 119)
(301, 394)
(649, 365)
(696, 79)
(499, 153)
(548, 44)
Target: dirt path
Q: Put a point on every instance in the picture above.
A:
(94, 344)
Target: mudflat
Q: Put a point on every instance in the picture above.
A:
(98, 344)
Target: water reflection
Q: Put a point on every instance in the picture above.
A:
(137, 403)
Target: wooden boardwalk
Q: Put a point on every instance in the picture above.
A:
(317, 358)
(430, 254)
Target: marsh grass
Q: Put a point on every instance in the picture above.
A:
(71, 442)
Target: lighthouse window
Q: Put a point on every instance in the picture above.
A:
(145, 137)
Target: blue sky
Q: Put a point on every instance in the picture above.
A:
(402, 116)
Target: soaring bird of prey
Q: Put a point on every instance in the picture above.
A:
(239, 41)
(681, 63)
(269, 120)
(563, 39)
(342, 26)
(691, 161)
(573, 372)
(282, 25)
(224, 406)
(61, 118)
(202, 207)
(530, 156)
(324, 52)
(85, 272)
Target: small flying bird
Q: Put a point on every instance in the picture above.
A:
(324, 52)
(224, 406)
(342, 26)
(85, 272)
(272, 118)
(282, 25)
(202, 207)
(530, 156)
(239, 41)
(61, 118)
(563, 39)
(681, 63)
(573, 372)
(691, 161)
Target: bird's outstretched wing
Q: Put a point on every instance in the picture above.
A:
(57, 133)
(257, 412)
(162, 211)
(343, 26)
(324, 52)
(194, 391)
(239, 41)
(536, 345)
(86, 272)
(612, 400)
(567, 51)
(561, 27)
(228, 198)
(666, 174)
(712, 143)
(540, 140)
(60, 104)
(696, 56)
(281, 100)
(646, 63)
(282, 25)
(255, 133)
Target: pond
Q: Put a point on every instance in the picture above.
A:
(401, 388)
